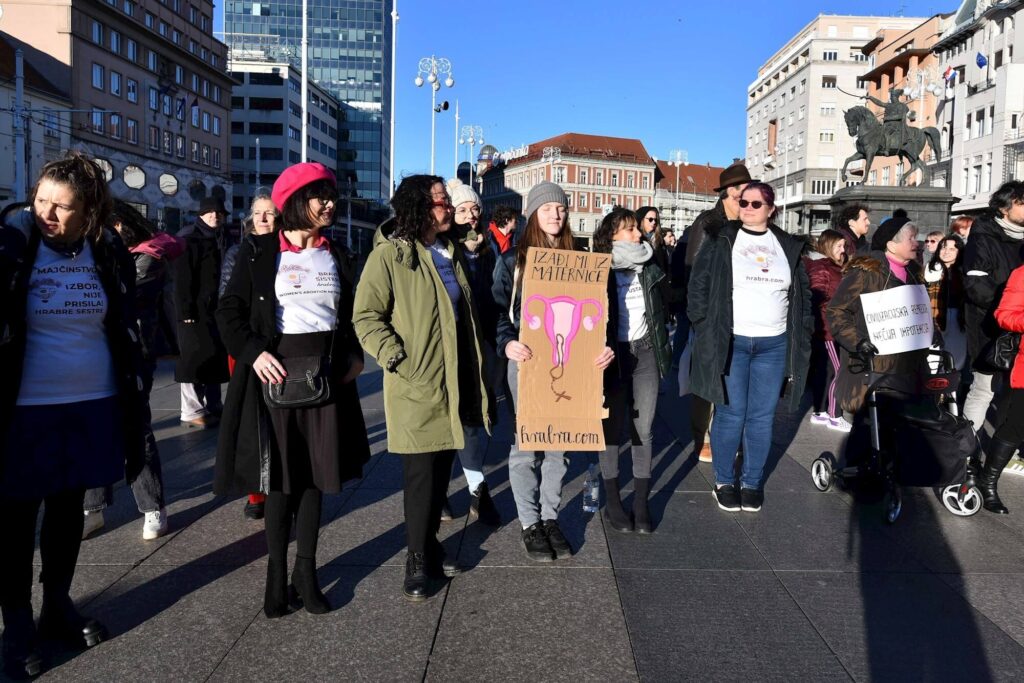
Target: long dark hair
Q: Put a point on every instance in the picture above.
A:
(935, 260)
(610, 225)
(655, 237)
(413, 205)
(134, 227)
(533, 236)
(87, 181)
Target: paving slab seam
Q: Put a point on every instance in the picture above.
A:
(233, 645)
(618, 595)
(796, 602)
(444, 603)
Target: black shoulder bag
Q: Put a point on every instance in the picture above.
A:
(307, 382)
(1002, 352)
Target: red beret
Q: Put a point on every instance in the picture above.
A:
(296, 176)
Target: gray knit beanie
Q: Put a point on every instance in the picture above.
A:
(541, 194)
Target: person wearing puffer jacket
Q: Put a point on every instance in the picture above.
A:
(152, 252)
(825, 272)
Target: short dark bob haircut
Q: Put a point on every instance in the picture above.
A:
(295, 214)
(618, 217)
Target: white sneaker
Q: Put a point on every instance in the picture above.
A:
(839, 424)
(155, 525)
(820, 418)
(93, 523)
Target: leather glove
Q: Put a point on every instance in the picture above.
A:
(866, 349)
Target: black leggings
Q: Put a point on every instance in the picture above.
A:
(59, 542)
(280, 509)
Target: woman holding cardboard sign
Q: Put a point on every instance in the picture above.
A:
(637, 319)
(538, 494)
(750, 305)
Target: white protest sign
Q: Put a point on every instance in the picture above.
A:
(898, 319)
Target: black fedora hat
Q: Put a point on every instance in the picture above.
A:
(737, 174)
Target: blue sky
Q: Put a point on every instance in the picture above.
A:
(673, 73)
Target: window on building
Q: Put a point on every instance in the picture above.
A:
(828, 109)
(979, 123)
(179, 74)
(581, 175)
(803, 86)
(967, 128)
(206, 121)
(115, 83)
(115, 42)
(614, 179)
(857, 56)
(885, 175)
(826, 136)
(115, 126)
(132, 51)
(97, 121)
(216, 125)
(196, 111)
(152, 61)
(216, 157)
(583, 200)
(645, 181)
(168, 105)
(828, 82)
(129, 8)
(206, 155)
(150, 20)
(168, 140)
(830, 55)
(630, 180)
(803, 110)
(195, 151)
(98, 78)
(179, 146)
(990, 119)
(97, 33)
(154, 137)
(599, 177)
(131, 131)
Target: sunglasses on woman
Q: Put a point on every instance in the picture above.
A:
(754, 204)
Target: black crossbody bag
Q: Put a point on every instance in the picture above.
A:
(307, 382)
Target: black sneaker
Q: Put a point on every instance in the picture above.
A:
(481, 506)
(751, 500)
(253, 510)
(536, 542)
(727, 497)
(557, 540)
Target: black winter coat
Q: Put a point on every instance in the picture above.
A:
(247, 318)
(651, 280)
(481, 280)
(202, 358)
(19, 244)
(992, 252)
(709, 306)
(708, 223)
(507, 329)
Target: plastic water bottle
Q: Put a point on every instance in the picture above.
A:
(591, 490)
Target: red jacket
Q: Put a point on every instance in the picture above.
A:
(825, 276)
(1010, 316)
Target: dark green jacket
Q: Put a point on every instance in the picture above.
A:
(709, 306)
(652, 279)
(403, 317)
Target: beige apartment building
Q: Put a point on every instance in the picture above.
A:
(904, 60)
(597, 172)
(797, 139)
(150, 93)
(984, 109)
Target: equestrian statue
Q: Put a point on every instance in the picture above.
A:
(892, 137)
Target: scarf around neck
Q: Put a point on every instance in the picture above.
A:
(1012, 230)
(630, 256)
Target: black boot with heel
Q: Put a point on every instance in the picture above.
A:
(613, 512)
(997, 455)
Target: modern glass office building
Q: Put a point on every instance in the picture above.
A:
(350, 57)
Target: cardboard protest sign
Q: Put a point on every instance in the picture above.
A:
(898, 319)
(563, 321)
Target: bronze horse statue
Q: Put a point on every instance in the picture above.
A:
(871, 142)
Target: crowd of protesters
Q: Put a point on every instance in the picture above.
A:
(754, 314)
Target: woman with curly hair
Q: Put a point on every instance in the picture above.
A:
(415, 313)
(637, 331)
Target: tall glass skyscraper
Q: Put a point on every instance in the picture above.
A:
(349, 56)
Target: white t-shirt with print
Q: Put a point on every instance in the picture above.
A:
(308, 289)
(760, 285)
(632, 311)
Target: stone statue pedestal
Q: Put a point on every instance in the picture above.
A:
(928, 207)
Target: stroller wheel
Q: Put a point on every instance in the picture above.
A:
(961, 505)
(822, 474)
(893, 504)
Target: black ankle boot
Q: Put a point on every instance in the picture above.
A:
(61, 622)
(415, 586)
(641, 513)
(482, 506)
(306, 584)
(613, 512)
(275, 598)
(20, 649)
(999, 453)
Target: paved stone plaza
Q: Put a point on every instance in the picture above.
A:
(812, 588)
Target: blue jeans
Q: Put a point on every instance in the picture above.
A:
(753, 381)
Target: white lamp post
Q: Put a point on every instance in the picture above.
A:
(434, 68)
(551, 156)
(789, 145)
(677, 158)
(394, 53)
(471, 135)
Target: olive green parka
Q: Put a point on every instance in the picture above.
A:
(404, 318)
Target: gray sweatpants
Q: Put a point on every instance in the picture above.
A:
(535, 476)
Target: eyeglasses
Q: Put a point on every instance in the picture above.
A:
(651, 220)
(754, 204)
(931, 241)
(329, 198)
(463, 211)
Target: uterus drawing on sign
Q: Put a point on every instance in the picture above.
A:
(562, 318)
